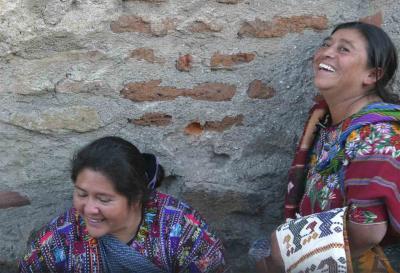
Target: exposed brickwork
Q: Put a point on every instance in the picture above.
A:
(9, 199)
(375, 19)
(221, 61)
(149, 1)
(153, 119)
(213, 92)
(258, 90)
(130, 24)
(280, 26)
(225, 124)
(184, 63)
(194, 128)
(228, 1)
(152, 91)
(146, 54)
(202, 26)
(163, 27)
(138, 24)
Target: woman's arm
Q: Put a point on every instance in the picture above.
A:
(364, 236)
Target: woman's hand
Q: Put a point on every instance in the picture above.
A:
(273, 263)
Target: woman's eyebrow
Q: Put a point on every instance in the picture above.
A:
(76, 187)
(348, 42)
(326, 39)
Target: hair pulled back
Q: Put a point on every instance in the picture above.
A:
(120, 161)
(381, 54)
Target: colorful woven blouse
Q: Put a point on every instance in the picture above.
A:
(355, 163)
(173, 237)
(369, 146)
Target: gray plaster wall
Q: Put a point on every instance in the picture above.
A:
(62, 69)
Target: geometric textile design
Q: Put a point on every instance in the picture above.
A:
(314, 243)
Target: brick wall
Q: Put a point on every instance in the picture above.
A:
(218, 89)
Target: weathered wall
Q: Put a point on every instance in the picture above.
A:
(218, 89)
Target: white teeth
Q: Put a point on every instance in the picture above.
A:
(326, 67)
(94, 220)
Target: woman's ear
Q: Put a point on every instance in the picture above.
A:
(374, 75)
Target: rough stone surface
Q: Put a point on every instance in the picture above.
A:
(77, 118)
(75, 70)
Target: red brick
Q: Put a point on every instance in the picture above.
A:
(164, 27)
(153, 119)
(130, 24)
(194, 128)
(221, 61)
(375, 19)
(138, 24)
(149, 1)
(228, 1)
(152, 91)
(258, 90)
(146, 54)
(10, 199)
(224, 124)
(213, 92)
(184, 63)
(281, 26)
(202, 26)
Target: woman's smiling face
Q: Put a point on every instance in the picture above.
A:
(104, 210)
(341, 65)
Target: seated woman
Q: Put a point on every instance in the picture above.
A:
(343, 193)
(120, 223)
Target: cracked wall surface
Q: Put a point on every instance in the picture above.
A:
(218, 90)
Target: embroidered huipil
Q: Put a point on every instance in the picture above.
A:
(173, 236)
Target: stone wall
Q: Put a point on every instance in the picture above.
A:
(218, 89)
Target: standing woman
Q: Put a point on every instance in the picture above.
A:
(343, 191)
(119, 223)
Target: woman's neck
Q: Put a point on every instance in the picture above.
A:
(340, 110)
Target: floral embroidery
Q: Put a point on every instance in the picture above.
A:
(323, 188)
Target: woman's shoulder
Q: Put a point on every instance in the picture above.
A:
(176, 211)
(45, 241)
(64, 221)
(381, 138)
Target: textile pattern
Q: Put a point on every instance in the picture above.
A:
(355, 163)
(173, 237)
(315, 243)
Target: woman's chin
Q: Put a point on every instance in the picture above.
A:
(96, 233)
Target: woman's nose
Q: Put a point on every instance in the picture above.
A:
(328, 52)
(91, 207)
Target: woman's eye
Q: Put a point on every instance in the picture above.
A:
(343, 49)
(81, 194)
(104, 200)
(324, 44)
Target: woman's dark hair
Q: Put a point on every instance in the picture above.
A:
(122, 163)
(381, 53)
